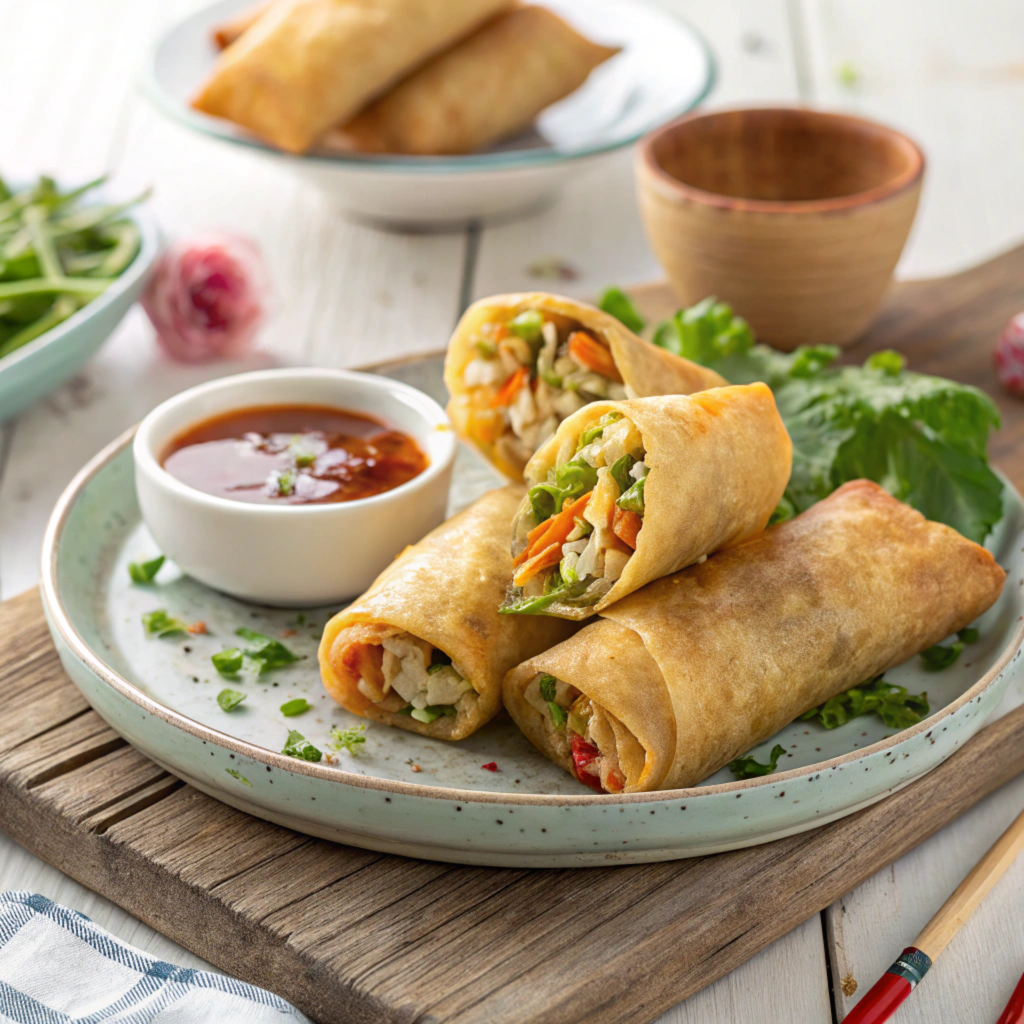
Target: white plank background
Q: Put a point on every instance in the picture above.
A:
(346, 295)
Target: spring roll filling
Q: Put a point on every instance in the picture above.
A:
(409, 676)
(581, 731)
(583, 523)
(529, 374)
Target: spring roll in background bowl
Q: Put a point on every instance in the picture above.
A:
(664, 69)
(425, 648)
(517, 365)
(628, 492)
(687, 674)
(306, 65)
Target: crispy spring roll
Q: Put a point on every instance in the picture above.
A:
(425, 648)
(689, 673)
(628, 492)
(485, 88)
(306, 65)
(517, 365)
(224, 33)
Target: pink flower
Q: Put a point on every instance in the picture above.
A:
(207, 297)
(1009, 355)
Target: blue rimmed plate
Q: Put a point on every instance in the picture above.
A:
(161, 696)
(664, 69)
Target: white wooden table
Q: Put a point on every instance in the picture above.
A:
(345, 295)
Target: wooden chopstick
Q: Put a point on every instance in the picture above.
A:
(902, 977)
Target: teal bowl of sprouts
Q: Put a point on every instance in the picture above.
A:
(71, 265)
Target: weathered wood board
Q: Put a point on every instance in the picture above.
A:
(355, 936)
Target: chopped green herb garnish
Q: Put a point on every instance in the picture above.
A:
(159, 623)
(922, 438)
(348, 739)
(266, 652)
(298, 746)
(893, 704)
(285, 482)
(750, 768)
(527, 326)
(300, 619)
(969, 635)
(619, 305)
(229, 662)
(298, 706)
(938, 657)
(144, 572)
(228, 699)
(302, 455)
(236, 774)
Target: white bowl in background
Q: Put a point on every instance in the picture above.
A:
(665, 69)
(292, 555)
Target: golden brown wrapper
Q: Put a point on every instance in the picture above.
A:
(738, 647)
(224, 33)
(307, 65)
(718, 463)
(446, 590)
(646, 369)
(486, 87)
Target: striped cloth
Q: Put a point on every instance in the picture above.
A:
(57, 967)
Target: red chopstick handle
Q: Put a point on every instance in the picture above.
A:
(1014, 1012)
(891, 989)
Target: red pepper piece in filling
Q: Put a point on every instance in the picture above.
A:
(582, 754)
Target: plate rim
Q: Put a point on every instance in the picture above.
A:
(61, 622)
(506, 160)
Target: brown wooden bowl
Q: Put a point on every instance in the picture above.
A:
(794, 217)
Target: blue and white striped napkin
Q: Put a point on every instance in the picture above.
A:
(57, 967)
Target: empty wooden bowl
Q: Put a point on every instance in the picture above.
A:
(794, 217)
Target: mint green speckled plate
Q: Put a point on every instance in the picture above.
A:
(161, 696)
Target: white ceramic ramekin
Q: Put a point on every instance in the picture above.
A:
(292, 555)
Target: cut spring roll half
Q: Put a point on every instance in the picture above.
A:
(425, 648)
(627, 492)
(307, 65)
(694, 670)
(485, 88)
(517, 365)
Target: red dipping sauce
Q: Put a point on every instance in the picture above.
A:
(293, 455)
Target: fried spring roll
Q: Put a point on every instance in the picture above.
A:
(425, 648)
(689, 673)
(485, 88)
(517, 365)
(226, 32)
(628, 492)
(306, 65)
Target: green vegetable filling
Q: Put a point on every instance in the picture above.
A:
(527, 326)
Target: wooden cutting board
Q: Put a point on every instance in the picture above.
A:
(352, 936)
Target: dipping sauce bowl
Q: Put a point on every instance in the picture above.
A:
(796, 218)
(284, 554)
